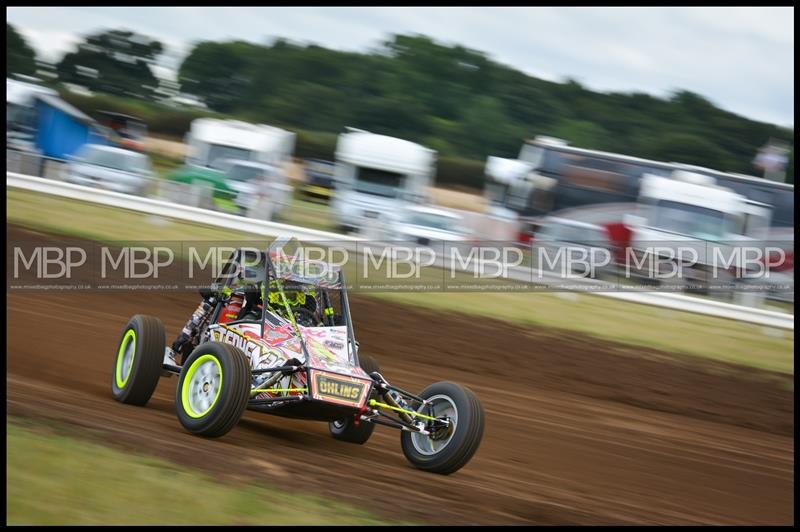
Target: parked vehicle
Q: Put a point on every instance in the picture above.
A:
(212, 143)
(425, 225)
(691, 221)
(111, 168)
(376, 175)
(21, 119)
(40, 122)
(566, 247)
(274, 334)
(320, 183)
(550, 175)
(251, 180)
(238, 184)
(125, 131)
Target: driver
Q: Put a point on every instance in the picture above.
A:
(245, 301)
(302, 300)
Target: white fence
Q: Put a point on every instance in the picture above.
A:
(272, 229)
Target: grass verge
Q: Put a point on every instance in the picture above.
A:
(57, 480)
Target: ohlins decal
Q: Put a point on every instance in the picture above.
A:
(338, 389)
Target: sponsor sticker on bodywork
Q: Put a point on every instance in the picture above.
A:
(339, 389)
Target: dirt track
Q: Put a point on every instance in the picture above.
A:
(578, 430)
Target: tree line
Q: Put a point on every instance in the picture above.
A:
(451, 98)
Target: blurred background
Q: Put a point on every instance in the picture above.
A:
(599, 128)
(227, 114)
(356, 133)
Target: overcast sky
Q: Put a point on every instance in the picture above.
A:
(742, 59)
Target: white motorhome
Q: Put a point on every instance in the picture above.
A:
(377, 176)
(212, 141)
(691, 206)
(687, 220)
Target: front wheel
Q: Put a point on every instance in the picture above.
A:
(137, 367)
(446, 450)
(213, 389)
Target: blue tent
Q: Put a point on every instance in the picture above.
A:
(61, 129)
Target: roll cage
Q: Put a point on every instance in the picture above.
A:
(273, 273)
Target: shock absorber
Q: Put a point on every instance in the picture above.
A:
(396, 400)
(185, 340)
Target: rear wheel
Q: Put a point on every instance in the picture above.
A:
(213, 389)
(346, 429)
(137, 366)
(449, 449)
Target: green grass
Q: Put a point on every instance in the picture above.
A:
(97, 222)
(57, 480)
(674, 331)
(308, 214)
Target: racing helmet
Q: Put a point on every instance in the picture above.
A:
(250, 278)
(252, 269)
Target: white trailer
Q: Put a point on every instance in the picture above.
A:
(211, 141)
(377, 176)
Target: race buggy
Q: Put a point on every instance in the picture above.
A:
(273, 334)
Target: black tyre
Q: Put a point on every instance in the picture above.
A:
(213, 389)
(368, 364)
(137, 366)
(454, 447)
(345, 429)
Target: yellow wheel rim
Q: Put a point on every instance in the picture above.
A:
(201, 386)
